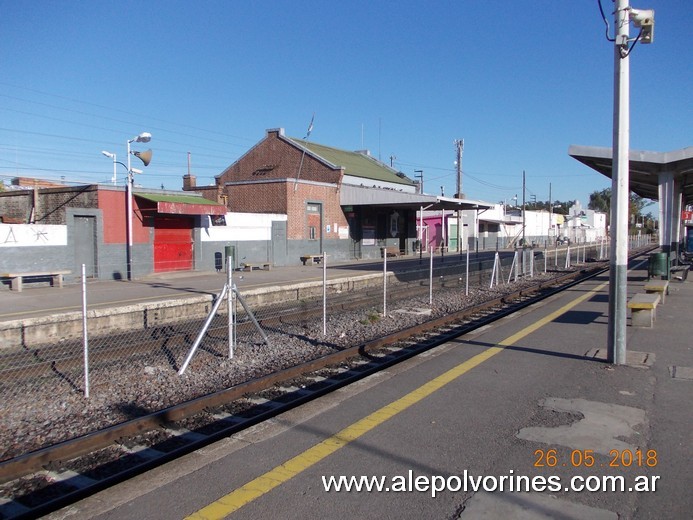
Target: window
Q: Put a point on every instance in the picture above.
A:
(313, 220)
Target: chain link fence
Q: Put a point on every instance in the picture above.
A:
(64, 375)
(82, 351)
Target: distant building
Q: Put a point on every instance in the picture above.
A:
(30, 182)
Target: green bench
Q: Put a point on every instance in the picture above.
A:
(643, 308)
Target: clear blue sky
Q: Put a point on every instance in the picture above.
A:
(519, 81)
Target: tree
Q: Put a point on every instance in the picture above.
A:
(601, 201)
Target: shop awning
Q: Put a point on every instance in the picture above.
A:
(182, 204)
(363, 196)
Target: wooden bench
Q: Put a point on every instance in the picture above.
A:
(250, 267)
(390, 251)
(660, 287)
(643, 309)
(311, 259)
(17, 279)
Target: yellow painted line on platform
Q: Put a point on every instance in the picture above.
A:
(289, 469)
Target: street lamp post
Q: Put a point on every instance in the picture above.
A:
(112, 156)
(620, 176)
(144, 137)
(145, 157)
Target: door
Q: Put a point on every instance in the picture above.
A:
(173, 244)
(85, 245)
(279, 243)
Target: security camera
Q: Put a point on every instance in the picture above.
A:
(643, 19)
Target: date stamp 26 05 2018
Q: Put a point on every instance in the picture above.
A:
(550, 458)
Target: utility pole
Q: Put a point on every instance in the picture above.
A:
(620, 182)
(420, 176)
(548, 235)
(459, 144)
(524, 242)
(618, 259)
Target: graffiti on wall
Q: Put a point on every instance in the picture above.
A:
(32, 235)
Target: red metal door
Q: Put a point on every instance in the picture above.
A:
(173, 244)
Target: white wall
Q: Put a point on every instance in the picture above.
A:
(32, 235)
(240, 227)
(591, 225)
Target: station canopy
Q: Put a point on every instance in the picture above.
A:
(391, 198)
(644, 168)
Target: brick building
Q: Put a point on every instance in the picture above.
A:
(344, 203)
(64, 227)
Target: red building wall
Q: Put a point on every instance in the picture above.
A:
(113, 205)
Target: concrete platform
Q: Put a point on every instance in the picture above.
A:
(500, 402)
(41, 315)
(45, 301)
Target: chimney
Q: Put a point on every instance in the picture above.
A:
(189, 182)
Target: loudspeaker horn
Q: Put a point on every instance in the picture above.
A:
(145, 156)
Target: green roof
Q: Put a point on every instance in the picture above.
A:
(356, 164)
(181, 199)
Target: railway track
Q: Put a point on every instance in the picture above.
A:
(47, 479)
(64, 357)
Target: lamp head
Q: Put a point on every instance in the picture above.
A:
(135, 170)
(144, 137)
(108, 154)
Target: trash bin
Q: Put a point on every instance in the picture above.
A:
(657, 265)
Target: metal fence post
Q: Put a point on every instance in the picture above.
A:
(545, 260)
(430, 279)
(466, 276)
(531, 263)
(384, 281)
(517, 264)
(493, 272)
(229, 304)
(204, 329)
(85, 335)
(324, 293)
